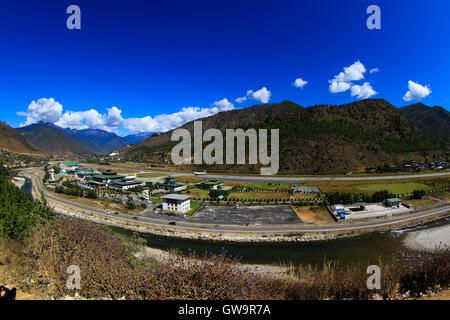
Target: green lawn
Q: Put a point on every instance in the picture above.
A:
(194, 208)
(197, 193)
(268, 186)
(396, 188)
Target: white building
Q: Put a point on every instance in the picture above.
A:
(176, 203)
(52, 174)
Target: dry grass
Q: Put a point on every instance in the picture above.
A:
(258, 195)
(303, 197)
(417, 203)
(97, 203)
(110, 268)
(313, 214)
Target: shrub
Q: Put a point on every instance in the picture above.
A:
(91, 194)
(130, 204)
(418, 194)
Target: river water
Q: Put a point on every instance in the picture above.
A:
(364, 249)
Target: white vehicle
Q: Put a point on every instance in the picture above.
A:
(200, 173)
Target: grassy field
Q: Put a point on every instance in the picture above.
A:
(374, 185)
(417, 203)
(269, 186)
(151, 175)
(197, 193)
(258, 195)
(189, 179)
(194, 207)
(396, 188)
(99, 203)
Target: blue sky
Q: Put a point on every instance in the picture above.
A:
(153, 58)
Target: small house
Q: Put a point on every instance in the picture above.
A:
(393, 202)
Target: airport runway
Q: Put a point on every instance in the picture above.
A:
(281, 179)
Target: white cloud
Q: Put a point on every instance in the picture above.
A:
(339, 86)
(47, 110)
(342, 81)
(91, 119)
(166, 122)
(244, 98)
(241, 99)
(224, 103)
(345, 81)
(354, 72)
(363, 92)
(300, 83)
(262, 95)
(416, 91)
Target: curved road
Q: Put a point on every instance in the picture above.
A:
(253, 229)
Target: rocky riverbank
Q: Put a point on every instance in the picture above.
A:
(429, 239)
(186, 233)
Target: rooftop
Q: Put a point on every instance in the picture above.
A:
(70, 164)
(112, 177)
(394, 200)
(176, 196)
(126, 183)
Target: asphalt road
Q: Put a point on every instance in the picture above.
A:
(253, 229)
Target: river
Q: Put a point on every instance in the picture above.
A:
(364, 249)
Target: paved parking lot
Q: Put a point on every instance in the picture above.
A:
(254, 215)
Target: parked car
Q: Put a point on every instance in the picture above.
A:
(172, 223)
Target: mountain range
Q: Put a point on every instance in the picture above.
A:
(434, 119)
(317, 139)
(138, 137)
(11, 140)
(323, 138)
(55, 140)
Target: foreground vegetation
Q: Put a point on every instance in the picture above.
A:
(38, 247)
(112, 267)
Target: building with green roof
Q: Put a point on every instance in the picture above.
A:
(393, 202)
(170, 184)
